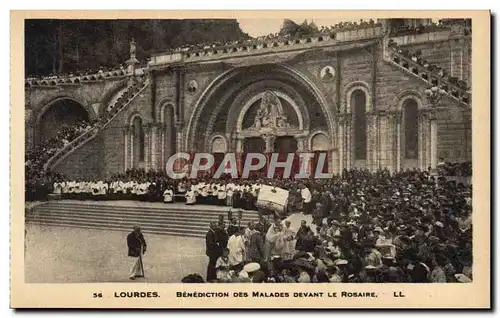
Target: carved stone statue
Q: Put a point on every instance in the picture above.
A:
(132, 48)
(270, 113)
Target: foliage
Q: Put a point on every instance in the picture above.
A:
(63, 46)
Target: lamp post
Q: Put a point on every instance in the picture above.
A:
(434, 94)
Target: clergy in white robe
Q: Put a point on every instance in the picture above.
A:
(236, 246)
(190, 197)
(168, 196)
(289, 235)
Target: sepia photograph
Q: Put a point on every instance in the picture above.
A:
(276, 150)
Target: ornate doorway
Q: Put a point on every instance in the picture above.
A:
(252, 145)
(285, 145)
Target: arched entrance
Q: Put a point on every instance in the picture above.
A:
(320, 144)
(57, 115)
(218, 109)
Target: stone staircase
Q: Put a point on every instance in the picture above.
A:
(407, 65)
(128, 95)
(154, 218)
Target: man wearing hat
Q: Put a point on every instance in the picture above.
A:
(136, 248)
(372, 256)
(213, 251)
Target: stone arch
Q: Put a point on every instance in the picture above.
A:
(401, 99)
(162, 105)
(110, 95)
(137, 144)
(40, 129)
(351, 88)
(319, 141)
(318, 94)
(252, 100)
(410, 128)
(50, 101)
(168, 129)
(259, 84)
(225, 77)
(218, 144)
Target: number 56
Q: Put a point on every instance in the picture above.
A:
(97, 295)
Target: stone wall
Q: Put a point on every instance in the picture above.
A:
(86, 162)
(387, 85)
(454, 135)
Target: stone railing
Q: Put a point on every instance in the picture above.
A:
(438, 35)
(80, 79)
(280, 44)
(409, 66)
(120, 104)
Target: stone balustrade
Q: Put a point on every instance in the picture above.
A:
(79, 79)
(441, 35)
(452, 90)
(270, 46)
(128, 96)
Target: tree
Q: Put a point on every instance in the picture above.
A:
(70, 45)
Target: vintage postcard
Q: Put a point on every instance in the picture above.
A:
(250, 159)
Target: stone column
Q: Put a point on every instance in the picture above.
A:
(398, 139)
(161, 146)
(348, 148)
(126, 138)
(421, 140)
(369, 140)
(131, 142)
(382, 149)
(341, 142)
(154, 148)
(433, 139)
(269, 149)
(390, 130)
(178, 131)
(147, 147)
(239, 154)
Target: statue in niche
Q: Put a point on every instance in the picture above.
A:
(270, 114)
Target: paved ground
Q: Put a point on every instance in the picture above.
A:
(72, 255)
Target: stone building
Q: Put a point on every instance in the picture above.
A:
(354, 94)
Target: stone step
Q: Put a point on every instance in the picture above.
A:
(147, 230)
(165, 214)
(128, 223)
(138, 218)
(154, 218)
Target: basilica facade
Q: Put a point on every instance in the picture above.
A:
(366, 97)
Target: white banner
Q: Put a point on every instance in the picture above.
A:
(272, 198)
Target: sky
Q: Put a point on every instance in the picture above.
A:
(259, 27)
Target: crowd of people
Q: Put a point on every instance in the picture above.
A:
(37, 181)
(407, 226)
(36, 158)
(367, 227)
(436, 70)
(87, 72)
(278, 36)
(455, 169)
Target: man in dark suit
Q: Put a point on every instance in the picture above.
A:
(213, 251)
(136, 248)
(255, 251)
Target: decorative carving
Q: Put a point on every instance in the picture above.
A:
(270, 114)
(192, 86)
(327, 74)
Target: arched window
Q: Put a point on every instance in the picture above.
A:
(358, 104)
(170, 133)
(138, 141)
(410, 109)
(319, 145)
